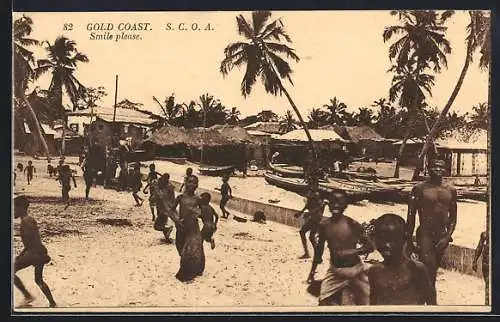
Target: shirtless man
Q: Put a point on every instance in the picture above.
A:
(436, 205)
(346, 271)
(397, 280)
(164, 199)
(29, 170)
(315, 207)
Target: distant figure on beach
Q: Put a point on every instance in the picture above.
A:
(315, 207)
(483, 248)
(59, 169)
(189, 172)
(164, 199)
(20, 167)
(29, 170)
(50, 168)
(136, 183)
(65, 178)
(209, 218)
(226, 194)
(436, 205)
(188, 236)
(152, 184)
(89, 174)
(345, 282)
(34, 253)
(397, 280)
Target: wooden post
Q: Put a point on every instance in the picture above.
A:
(116, 95)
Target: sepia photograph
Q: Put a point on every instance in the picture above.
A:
(251, 161)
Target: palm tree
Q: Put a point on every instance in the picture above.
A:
(423, 38)
(24, 73)
(317, 118)
(480, 117)
(338, 111)
(287, 123)
(267, 116)
(364, 116)
(191, 116)
(478, 39)
(232, 117)
(62, 61)
(262, 53)
(173, 111)
(408, 85)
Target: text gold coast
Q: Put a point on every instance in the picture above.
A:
(120, 31)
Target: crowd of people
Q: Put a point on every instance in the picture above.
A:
(399, 279)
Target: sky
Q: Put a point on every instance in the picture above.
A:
(342, 54)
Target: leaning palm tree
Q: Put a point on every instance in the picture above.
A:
(262, 52)
(62, 61)
(408, 86)
(24, 72)
(478, 39)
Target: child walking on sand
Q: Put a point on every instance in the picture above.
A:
(29, 170)
(34, 252)
(209, 218)
(189, 172)
(226, 194)
(65, 177)
(152, 184)
(137, 184)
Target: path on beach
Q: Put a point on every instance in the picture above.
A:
(96, 265)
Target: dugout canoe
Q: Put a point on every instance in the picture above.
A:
(217, 171)
(285, 170)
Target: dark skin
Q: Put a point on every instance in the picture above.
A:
(165, 199)
(398, 280)
(225, 187)
(33, 250)
(209, 217)
(65, 177)
(189, 172)
(483, 248)
(436, 205)
(342, 234)
(315, 206)
(29, 170)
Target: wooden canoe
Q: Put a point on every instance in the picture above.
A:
(286, 170)
(214, 170)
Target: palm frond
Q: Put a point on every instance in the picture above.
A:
(390, 31)
(259, 19)
(253, 68)
(79, 57)
(244, 28)
(284, 49)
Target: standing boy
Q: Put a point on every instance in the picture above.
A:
(398, 280)
(345, 282)
(483, 248)
(164, 199)
(34, 252)
(209, 218)
(189, 172)
(137, 184)
(312, 218)
(65, 178)
(29, 170)
(226, 194)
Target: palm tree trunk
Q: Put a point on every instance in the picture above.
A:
(63, 136)
(433, 133)
(38, 130)
(409, 129)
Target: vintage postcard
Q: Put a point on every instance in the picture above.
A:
(265, 161)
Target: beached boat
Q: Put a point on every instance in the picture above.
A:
(173, 160)
(215, 170)
(286, 170)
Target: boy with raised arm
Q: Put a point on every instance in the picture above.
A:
(345, 282)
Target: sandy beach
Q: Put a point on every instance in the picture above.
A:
(98, 265)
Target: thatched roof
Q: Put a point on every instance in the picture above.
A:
(268, 127)
(317, 135)
(355, 133)
(197, 137)
(123, 115)
(235, 134)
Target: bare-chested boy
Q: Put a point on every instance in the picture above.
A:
(398, 280)
(136, 183)
(29, 170)
(315, 206)
(152, 184)
(483, 248)
(436, 205)
(164, 199)
(65, 177)
(226, 194)
(189, 172)
(34, 252)
(209, 218)
(346, 282)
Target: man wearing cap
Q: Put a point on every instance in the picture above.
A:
(436, 205)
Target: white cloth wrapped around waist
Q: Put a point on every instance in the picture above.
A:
(337, 278)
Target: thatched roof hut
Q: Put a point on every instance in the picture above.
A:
(355, 134)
